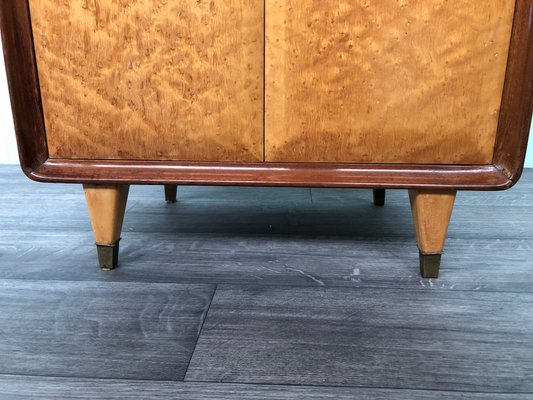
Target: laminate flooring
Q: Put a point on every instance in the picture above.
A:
(263, 293)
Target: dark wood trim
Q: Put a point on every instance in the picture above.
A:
(517, 101)
(480, 177)
(23, 82)
(513, 131)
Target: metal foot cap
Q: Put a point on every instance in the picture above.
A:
(108, 255)
(429, 265)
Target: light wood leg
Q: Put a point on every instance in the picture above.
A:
(379, 197)
(107, 204)
(432, 210)
(171, 193)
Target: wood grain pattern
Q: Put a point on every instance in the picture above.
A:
(278, 237)
(51, 388)
(404, 81)
(431, 211)
(107, 205)
(509, 154)
(268, 236)
(23, 82)
(389, 338)
(100, 329)
(517, 102)
(392, 176)
(151, 80)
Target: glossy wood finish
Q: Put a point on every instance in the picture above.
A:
(26, 104)
(517, 101)
(151, 80)
(23, 83)
(276, 174)
(385, 82)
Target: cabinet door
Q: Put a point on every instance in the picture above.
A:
(414, 81)
(151, 79)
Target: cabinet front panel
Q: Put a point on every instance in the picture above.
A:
(415, 81)
(151, 79)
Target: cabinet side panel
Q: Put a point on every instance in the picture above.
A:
(407, 81)
(155, 80)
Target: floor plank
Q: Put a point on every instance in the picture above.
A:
(469, 264)
(388, 338)
(323, 292)
(101, 330)
(268, 236)
(18, 387)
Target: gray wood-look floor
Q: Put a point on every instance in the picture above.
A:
(263, 293)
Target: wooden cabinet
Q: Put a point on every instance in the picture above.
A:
(431, 96)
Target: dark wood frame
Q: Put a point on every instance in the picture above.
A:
(504, 172)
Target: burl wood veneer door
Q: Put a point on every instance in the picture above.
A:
(151, 79)
(400, 81)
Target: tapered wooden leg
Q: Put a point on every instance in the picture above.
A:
(432, 210)
(171, 193)
(379, 197)
(107, 204)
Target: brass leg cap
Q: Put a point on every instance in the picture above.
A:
(379, 197)
(107, 255)
(429, 265)
(171, 193)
